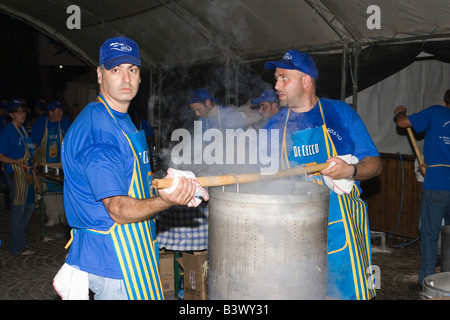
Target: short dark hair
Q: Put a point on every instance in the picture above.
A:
(447, 97)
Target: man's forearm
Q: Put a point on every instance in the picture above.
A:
(368, 168)
(124, 209)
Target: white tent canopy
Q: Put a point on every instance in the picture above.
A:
(180, 31)
(351, 54)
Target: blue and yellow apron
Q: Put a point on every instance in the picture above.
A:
(349, 251)
(23, 180)
(136, 244)
(51, 144)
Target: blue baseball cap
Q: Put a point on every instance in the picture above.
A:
(53, 105)
(200, 95)
(119, 50)
(294, 60)
(268, 95)
(15, 103)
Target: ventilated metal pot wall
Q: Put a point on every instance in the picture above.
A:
(265, 243)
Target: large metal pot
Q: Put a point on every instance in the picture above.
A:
(268, 241)
(436, 285)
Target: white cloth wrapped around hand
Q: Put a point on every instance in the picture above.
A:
(199, 191)
(341, 186)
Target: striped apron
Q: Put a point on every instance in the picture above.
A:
(51, 145)
(23, 180)
(349, 250)
(136, 244)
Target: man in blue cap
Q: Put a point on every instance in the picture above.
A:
(213, 115)
(435, 201)
(268, 103)
(318, 130)
(17, 157)
(107, 195)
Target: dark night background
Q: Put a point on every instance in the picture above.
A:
(21, 76)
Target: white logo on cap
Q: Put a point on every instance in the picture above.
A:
(120, 47)
(287, 56)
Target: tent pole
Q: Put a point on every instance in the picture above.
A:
(355, 76)
(227, 81)
(158, 142)
(344, 71)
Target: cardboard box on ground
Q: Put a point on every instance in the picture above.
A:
(195, 269)
(166, 270)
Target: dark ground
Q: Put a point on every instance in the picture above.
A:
(30, 277)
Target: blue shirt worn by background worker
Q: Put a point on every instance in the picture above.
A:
(435, 121)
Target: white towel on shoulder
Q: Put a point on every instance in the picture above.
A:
(341, 186)
(71, 283)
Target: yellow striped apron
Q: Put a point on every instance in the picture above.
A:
(136, 244)
(349, 250)
(23, 180)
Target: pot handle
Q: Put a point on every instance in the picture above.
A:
(237, 183)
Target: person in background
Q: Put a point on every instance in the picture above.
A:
(435, 203)
(3, 186)
(214, 115)
(142, 124)
(107, 195)
(3, 113)
(74, 111)
(305, 124)
(48, 133)
(268, 103)
(37, 111)
(16, 153)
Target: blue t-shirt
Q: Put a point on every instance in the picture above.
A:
(226, 118)
(435, 121)
(12, 144)
(38, 130)
(345, 126)
(98, 163)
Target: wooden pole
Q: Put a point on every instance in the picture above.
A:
(227, 179)
(416, 149)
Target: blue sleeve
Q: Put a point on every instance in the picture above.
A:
(348, 130)
(364, 146)
(105, 171)
(421, 120)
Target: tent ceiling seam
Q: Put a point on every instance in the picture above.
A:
(334, 23)
(198, 26)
